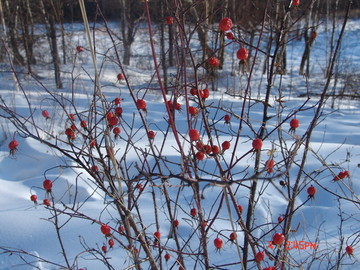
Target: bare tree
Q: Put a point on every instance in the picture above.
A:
(131, 14)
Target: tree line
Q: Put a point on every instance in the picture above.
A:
(20, 19)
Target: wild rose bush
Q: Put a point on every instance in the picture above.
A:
(188, 177)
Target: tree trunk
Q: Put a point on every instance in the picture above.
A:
(128, 29)
(55, 52)
(5, 37)
(305, 59)
(12, 14)
(48, 12)
(26, 37)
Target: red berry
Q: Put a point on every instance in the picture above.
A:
(157, 235)
(205, 93)
(349, 250)
(94, 168)
(47, 202)
(139, 187)
(177, 106)
(199, 145)
(70, 133)
(169, 103)
(118, 111)
(215, 149)
(193, 212)
(72, 117)
(141, 104)
(176, 223)
(167, 256)
(269, 165)
(79, 49)
(278, 239)
(194, 135)
(311, 191)
(294, 123)
(227, 119)
(259, 256)
(151, 134)
(225, 145)
(117, 101)
(193, 91)
(199, 155)
(342, 175)
(270, 268)
(121, 229)
(33, 198)
(111, 243)
(13, 145)
(104, 248)
(280, 219)
(225, 24)
(313, 35)
(230, 35)
(257, 144)
(116, 131)
(233, 236)
(218, 243)
(92, 143)
(193, 110)
(296, 3)
(240, 208)
(169, 20)
(113, 121)
(105, 229)
(120, 76)
(242, 54)
(83, 124)
(45, 114)
(109, 115)
(213, 61)
(207, 149)
(47, 184)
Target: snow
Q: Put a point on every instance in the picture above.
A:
(29, 227)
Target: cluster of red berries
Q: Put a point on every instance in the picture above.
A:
(70, 131)
(172, 106)
(201, 94)
(205, 149)
(106, 230)
(225, 25)
(47, 185)
(342, 175)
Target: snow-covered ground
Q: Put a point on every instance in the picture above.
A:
(335, 140)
